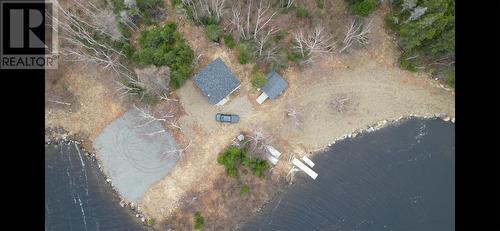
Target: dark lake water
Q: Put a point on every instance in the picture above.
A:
(77, 196)
(397, 178)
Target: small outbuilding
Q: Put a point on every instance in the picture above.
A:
(274, 87)
(216, 82)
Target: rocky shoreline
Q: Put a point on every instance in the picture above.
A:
(58, 136)
(383, 123)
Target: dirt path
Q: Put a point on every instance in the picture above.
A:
(378, 89)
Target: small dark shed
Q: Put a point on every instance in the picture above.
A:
(273, 88)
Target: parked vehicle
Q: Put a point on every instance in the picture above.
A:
(227, 118)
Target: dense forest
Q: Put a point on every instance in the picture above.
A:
(426, 30)
(132, 38)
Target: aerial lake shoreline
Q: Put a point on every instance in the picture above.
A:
(90, 165)
(133, 209)
(405, 170)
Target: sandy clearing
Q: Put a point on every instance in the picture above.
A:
(378, 88)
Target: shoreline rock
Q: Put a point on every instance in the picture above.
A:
(386, 122)
(134, 209)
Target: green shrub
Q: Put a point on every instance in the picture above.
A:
(362, 7)
(244, 190)
(258, 79)
(128, 50)
(294, 56)
(176, 2)
(245, 55)
(118, 6)
(124, 47)
(301, 12)
(407, 64)
(230, 158)
(258, 166)
(165, 46)
(198, 221)
(189, 11)
(320, 3)
(209, 21)
(229, 40)
(150, 221)
(280, 36)
(124, 30)
(233, 157)
(213, 32)
(391, 22)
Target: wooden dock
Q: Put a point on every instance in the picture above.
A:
(273, 155)
(304, 168)
(308, 161)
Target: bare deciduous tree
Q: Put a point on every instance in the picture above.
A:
(59, 102)
(77, 29)
(314, 43)
(262, 41)
(155, 80)
(295, 114)
(408, 5)
(270, 53)
(100, 19)
(166, 98)
(258, 18)
(179, 151)
(130, 3)
(341, 103)
(127, 87)
(416, 13)
(356, 33)
(258, 139)
(165, 116)
(206, 9)
(262, 19)
(78, 41)
(127, 20)
(235, 21)
(148, 117)
(287, 3)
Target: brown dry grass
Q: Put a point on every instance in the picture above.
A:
(379, 89)
(90, 91)
(224, 207)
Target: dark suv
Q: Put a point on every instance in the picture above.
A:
(224, 118)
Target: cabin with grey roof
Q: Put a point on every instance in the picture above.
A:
(216, 82)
